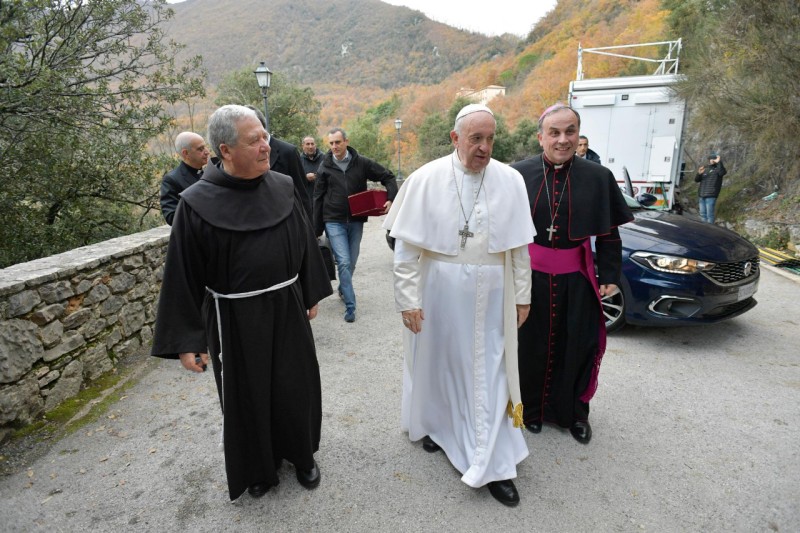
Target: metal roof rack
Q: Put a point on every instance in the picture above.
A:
(667, 65)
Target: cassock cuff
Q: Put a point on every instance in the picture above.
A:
(521, 267)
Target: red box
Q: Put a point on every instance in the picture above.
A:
(367, 203)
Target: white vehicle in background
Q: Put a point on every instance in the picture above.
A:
(635, 122)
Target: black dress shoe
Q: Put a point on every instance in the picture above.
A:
(534, 427)
(429, 446)
(257, 490)
(309, 478)
(505, 492)
(582, 432)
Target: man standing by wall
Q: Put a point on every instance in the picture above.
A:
(344, 172)
(462, 283)
(193, 152)
(562, 343)
(710, 180)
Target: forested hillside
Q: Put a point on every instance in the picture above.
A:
(536, 74)
(350, 42)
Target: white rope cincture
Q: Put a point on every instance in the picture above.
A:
(237, 296)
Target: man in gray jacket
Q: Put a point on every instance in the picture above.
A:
(342, 173)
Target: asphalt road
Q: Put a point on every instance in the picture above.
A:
(695, 429)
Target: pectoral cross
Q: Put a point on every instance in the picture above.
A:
(550, 232)
(464, 234)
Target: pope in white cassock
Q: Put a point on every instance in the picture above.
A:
(462, 275)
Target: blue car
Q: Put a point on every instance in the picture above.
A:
(678, 272)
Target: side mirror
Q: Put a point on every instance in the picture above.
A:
(646, 199)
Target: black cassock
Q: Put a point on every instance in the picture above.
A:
(559, 343)
(235, 236)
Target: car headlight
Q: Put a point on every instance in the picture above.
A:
(671, 263)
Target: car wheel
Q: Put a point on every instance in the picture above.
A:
(614, 311)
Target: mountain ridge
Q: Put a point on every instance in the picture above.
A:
(351, 42)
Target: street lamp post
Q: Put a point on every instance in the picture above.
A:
(264, 78)
(397, 125)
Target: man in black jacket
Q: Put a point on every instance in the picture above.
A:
(343, 172)
(710, 179)
(311, 157)
(585, 152)
(193, 152)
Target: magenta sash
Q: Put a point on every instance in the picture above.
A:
(565, 261)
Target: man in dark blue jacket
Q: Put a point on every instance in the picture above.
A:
(193, 152)
(342, 173)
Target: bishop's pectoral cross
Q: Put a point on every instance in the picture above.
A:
(464, 234)
(550, 232)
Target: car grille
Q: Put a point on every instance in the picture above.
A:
(730, 273)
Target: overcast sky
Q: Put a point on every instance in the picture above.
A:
(491, 17)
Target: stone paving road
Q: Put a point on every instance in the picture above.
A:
(696, 429)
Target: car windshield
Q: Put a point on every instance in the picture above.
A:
(632, 203)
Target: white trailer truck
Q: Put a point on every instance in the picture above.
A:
(636, 122)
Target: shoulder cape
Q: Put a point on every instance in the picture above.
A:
(590, 184)
(238, 204)
(426, 211)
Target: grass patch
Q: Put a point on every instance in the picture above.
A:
(28, 443)
(777, 239)
(70, 407)
(99, 408)
(62, 420)
(52, 422)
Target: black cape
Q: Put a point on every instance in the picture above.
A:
(558, 344)
(235, 236)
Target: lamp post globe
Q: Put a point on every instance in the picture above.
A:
(264, 79)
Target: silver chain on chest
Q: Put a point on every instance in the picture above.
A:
(552, 213)
(465, 232)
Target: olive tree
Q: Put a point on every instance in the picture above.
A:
(83, 88)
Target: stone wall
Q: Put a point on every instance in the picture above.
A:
(65, 320)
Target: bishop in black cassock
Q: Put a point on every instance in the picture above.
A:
(250, 243)
(562, 342)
